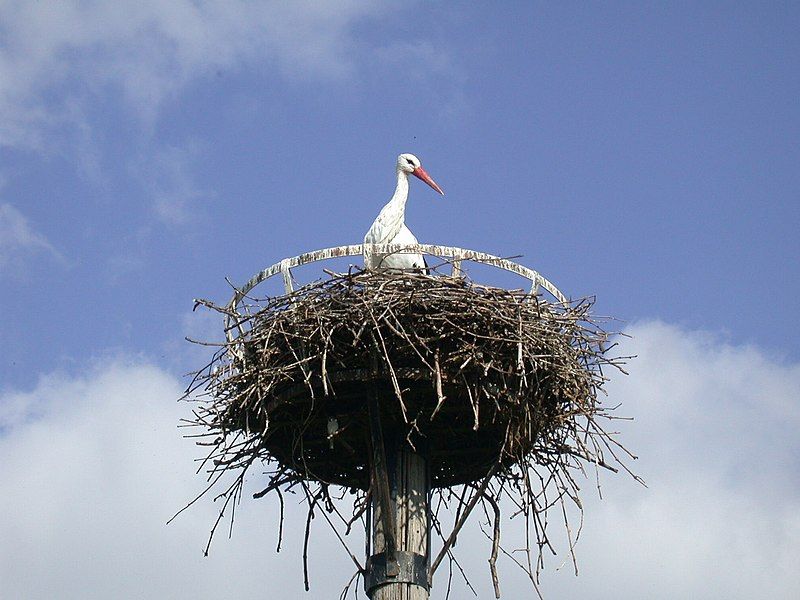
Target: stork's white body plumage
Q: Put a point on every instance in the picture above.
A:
(390, 227)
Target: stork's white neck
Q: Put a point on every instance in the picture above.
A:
(394, 213)
(392, 216)
(401, 191)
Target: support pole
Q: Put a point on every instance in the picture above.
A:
(399, 568)
(409, 504)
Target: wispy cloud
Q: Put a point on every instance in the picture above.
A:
(94, 465)
(63, 64)
(425, 64)
(20, 241)
(52, 53)
(167, 175)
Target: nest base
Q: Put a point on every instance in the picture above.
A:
(456, 450)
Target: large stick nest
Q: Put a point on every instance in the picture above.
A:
(486, 382)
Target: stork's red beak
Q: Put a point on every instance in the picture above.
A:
(420, 172)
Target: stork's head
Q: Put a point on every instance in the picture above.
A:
(408, 163)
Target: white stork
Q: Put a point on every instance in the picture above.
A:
(390, 227)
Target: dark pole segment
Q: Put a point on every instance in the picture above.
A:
(380, 483)
(408, 475)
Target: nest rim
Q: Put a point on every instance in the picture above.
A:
(452, 254)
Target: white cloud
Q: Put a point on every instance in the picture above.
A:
(53, 53)
(18, 240)
(92, 469)
(716, 432)
(93, 466)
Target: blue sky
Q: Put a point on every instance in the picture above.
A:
(646, 153)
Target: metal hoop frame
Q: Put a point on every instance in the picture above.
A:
(456, 256)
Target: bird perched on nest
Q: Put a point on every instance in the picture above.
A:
(390, 227)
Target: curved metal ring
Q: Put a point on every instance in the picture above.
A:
(456, 254)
